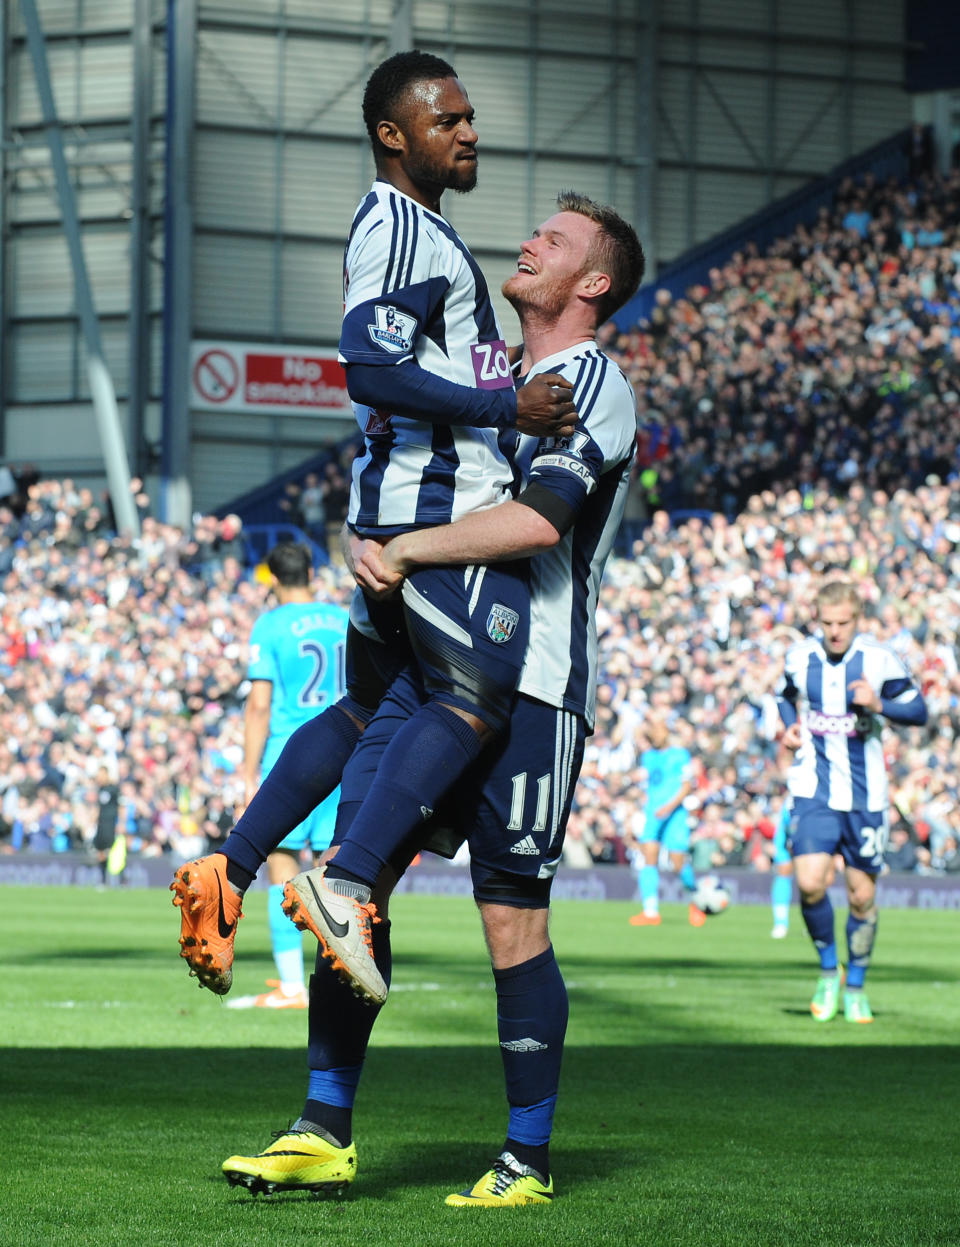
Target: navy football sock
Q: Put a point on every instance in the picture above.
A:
(337, 1129)
(239, 877)
(532, 1015)
(536, 1156)
(333, 1122)
(339, 1026)
(527, 1154)
(819, 922)
(426, 756)
(306, 772)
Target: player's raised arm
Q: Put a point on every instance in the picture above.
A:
(406, 389)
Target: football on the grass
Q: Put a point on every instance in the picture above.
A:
(711, 896)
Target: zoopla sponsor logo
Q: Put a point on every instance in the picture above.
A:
(491, 367)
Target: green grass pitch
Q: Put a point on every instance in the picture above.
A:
(700, 1103)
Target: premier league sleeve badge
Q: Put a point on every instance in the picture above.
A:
(393, 330)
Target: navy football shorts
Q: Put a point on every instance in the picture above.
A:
(859, 836)
(511, 807)
(468, 627)
(377, 649)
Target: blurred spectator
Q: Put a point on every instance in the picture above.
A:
(314, 509)
(576, 851)
(199, 555)
(291, 504)
(108, 819)
(336, 496)
(903, 853)
(230, 543)
(920, 150)
(218, 823)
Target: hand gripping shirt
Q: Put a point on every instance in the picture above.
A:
(413, 292)
(589, 472)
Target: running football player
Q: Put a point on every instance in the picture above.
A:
(836, 692)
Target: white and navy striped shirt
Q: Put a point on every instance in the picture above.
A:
(840, 760)
(590, 471)
(412, 291)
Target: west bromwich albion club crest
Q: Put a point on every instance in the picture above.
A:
(393, 330)
(501, 623)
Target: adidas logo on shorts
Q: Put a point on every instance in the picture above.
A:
(527, 846)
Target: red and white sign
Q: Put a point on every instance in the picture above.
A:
(238, 376)
(215, 376)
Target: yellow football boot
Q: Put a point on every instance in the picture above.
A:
(297, 1160)
(507, 1185)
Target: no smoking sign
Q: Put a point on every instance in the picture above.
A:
(286, 380)
(216, 376)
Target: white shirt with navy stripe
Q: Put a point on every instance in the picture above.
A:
(591, 472)
(413, 290)
(840, 761)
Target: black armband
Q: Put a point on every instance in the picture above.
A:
(551, 506)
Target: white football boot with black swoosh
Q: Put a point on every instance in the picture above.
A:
(342, 923)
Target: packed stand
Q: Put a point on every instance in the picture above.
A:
(318, 504)
(806, 402)
(693, 627)
(122, 670)
(834, 357)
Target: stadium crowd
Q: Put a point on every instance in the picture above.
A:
(805, 402)
(693, 626)
(123, 654)
(130, 656)
(833, 357)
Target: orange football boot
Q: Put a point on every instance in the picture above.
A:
(209, 913)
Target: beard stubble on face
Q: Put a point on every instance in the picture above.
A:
(547, 299)
(460, 177)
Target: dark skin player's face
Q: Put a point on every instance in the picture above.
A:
(435, 142)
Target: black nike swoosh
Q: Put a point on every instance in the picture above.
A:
(225, 928)
(339, 929)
